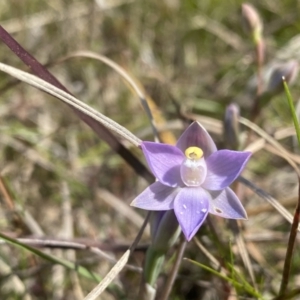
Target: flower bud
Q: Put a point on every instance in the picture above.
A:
(288, 70)
(252, 22)
(231, 126)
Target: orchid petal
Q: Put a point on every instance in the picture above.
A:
(223, 167)
(164, 162)
(191, 207)
(196, 136)
(155, 197)
(226, 204)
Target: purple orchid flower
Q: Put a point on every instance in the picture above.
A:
(193, 179)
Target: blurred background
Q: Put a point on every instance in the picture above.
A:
(60, 181)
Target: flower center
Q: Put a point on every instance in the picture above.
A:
(193, 153)
(193, 169)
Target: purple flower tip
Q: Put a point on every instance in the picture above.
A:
(193, 179)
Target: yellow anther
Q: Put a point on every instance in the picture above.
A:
(193, 153)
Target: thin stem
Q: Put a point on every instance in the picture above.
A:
(259, 70)
(175, 269)
(259, 88)
(290, 248)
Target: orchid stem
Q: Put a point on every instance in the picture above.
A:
(175, 269)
